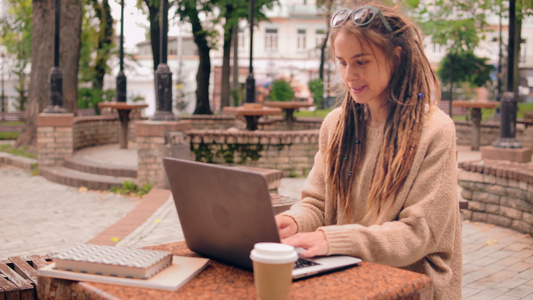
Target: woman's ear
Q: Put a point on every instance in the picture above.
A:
(397, 52)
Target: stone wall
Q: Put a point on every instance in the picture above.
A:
(289, 151)
(153, 143)
(499, 193)
(54, 138)
(490, 131)
(96, 130)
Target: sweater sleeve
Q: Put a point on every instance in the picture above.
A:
(309, 213)
(419, 227)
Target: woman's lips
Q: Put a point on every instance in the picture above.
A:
(358, 90)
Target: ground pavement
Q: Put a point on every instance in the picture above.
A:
(40, 217)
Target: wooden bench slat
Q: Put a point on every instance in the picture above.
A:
(24, 269)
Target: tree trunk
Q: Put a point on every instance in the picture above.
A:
(105, 41)
(155, 32)
(70, 46)
(204, 66)
(42, 58)
(42, 61)
(225, 87)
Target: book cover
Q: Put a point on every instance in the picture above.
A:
(115, 261)
(181, 271)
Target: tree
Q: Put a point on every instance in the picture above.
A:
(104, 45)
(155, 29)
(16, 36)
(189, 11)
(455, 25)
(42, 52)
(232, 11)
(467, 67)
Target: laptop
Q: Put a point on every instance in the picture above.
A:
(224, 211)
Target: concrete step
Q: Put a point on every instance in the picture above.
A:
(80, 164)
(70, 177)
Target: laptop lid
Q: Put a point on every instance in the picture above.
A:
(223, 211)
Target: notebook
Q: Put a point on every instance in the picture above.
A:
(224, 211)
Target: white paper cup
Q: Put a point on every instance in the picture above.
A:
(273, 264)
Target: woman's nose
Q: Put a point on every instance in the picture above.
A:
(352, 73)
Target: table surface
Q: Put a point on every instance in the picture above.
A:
(287, 104)
(121, 105)
(252, 111)
(221, 281)
(475, 104)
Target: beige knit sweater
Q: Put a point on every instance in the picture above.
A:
(422, 231)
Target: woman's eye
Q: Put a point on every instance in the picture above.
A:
(362, 62)
(342, 63)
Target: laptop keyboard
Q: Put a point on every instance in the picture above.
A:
(304, 263)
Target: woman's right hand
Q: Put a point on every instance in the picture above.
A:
(286, 226)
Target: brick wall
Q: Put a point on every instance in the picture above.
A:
(96, 130)
(289, 151)
(490, 131)
(499, 193)
(54, 138)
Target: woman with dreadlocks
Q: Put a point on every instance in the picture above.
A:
(384, 185)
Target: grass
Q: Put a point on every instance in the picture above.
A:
(9, 135)
(23, 151)
(130, 188)
(317, 113)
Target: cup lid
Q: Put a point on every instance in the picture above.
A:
(273, 253)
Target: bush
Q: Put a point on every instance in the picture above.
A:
(316, 87)
(281, 90)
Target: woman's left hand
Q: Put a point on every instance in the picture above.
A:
(314, 243)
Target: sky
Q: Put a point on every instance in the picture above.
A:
(135, 23)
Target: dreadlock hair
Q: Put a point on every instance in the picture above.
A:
(409, 95)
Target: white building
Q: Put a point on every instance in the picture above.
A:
(285, 46)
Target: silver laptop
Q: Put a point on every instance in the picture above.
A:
(224, 211)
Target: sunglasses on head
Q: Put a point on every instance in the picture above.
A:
(361, 17)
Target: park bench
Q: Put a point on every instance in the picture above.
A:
(17, 116)
(18, 278)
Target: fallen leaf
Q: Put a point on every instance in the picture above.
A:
(157, 221)
(83, 189)
(491, 242)
(115, 239)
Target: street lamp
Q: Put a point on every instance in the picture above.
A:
(250, 81)
(56, 79)
(163, 79)
(121, 78)
(508, 101)
(3, 50)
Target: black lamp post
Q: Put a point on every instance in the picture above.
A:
(163, 79)
(56, 78)
(508, 101)
(250, 81)
(121, 78)
(3, 96)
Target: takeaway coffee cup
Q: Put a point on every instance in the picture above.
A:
(273, 264)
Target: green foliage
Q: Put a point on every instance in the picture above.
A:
(281, 90)
(316, 87)
(318, 113)
(89, 98)
(237, 95)
(466, 67)
(16, 37)
(130, 188)
(209, 152)
(22, 151)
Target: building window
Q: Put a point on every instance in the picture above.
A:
(320, 36)
(271, 40)
(240, 38)
(301, 39)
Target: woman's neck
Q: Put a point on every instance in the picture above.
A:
(377, 115)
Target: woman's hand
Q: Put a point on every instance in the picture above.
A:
(314, 243)
(286, 226)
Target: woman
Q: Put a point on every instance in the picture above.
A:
(383, 186)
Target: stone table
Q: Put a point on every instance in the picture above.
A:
(475, 107)
(288, 107)
(221, 281)
(252, 112)
(123, 110)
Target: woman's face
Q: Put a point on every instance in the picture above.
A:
(363, 69)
